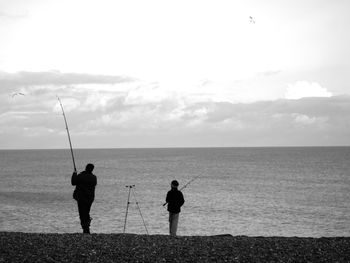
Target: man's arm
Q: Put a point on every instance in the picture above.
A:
(74, 179)
(182, 200)
(167, 199)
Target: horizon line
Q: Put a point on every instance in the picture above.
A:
(179, 147)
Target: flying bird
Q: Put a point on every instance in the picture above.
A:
(17, 93)
(251, 20)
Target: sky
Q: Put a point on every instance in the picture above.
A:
(162, 73)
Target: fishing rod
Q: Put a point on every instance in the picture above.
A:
(70, 142)
(185, 186)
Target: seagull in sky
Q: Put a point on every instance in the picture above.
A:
(17, 94)
(251, 20)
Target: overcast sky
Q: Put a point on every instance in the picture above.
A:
(174, 73)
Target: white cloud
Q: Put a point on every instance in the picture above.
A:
(303, 89)
(146, 94)
(96, 100)
(56, 78)
(69, 104)
(177, 123)
(306, 120)
(99, 110)
(303, 119)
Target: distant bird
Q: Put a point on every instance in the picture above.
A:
(251, 20)
(17, 93)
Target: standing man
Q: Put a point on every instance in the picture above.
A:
(175, 200)
(84, 194)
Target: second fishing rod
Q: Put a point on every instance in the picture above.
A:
(187, 184)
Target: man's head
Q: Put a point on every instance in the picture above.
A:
(89, 167)
(174, 184)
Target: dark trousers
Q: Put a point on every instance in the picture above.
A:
(84, 215)
(173, 221)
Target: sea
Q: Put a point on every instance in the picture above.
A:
(281, 191)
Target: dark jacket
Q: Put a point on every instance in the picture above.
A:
(85, 186)
(175, 200)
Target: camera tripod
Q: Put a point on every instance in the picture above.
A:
(131, 188)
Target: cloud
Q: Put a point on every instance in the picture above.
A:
(305, 120)
(271, 122)
(56, 78)
(269, 73)
(40, 89)
(12, 15)
(302, 89)
(136, 114)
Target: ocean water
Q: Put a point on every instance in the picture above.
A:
(239, 191)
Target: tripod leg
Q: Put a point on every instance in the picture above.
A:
(127, 208)
(137, 203)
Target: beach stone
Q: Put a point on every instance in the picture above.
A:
(33, 247)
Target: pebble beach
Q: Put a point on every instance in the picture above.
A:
(38, 247)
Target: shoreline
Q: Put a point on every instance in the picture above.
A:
(76, 247)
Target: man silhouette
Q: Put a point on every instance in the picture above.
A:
(175, 200)
(84, 194)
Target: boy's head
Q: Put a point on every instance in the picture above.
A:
(174, 184)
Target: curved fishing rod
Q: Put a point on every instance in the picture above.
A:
(70, 142)
(185, 186)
